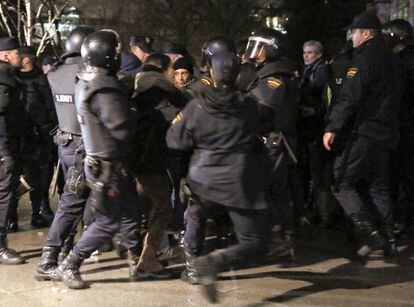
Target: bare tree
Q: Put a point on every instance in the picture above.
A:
(188, 21)
(20, 17)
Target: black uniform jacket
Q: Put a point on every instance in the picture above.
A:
(276, 91)
(370, 96)
(13, 120)
(221, 126)
(406, 115)
(197, 87)
(39, 101)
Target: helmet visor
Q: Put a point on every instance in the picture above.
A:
(255, 45)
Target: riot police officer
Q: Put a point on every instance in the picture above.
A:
(71, 154)
(103, 112)
(11, 111)
(37, 157)
(399, 36)
(276, 90)
(369, 100)
(214, 45)
(225, 172)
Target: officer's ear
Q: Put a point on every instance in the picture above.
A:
(238, 78)
(4, 56)
(212, 74)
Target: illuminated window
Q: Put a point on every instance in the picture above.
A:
(401, 9)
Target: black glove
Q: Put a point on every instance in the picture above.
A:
(8, 164)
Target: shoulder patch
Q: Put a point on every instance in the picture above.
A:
(274, 82)
(351, 72)
(206, 81)
(177, 118)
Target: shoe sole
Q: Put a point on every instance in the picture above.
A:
(80, 287)
(39, 277)
(149, 276)
(13, 263)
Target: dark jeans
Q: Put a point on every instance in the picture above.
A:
(71, 206)
(177, 169)
(249, 225)
(367, 161)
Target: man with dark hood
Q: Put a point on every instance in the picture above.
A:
(221, 127)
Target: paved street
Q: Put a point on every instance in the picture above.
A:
(321, 277)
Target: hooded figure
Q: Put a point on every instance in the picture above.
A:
(225, 172)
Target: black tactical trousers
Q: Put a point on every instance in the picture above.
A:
(71, 206)
(367, 161)
(8, 185)
(281, 206)
(249, 225)
(118, 212)
(402, 164)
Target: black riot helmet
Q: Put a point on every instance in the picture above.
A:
(102, 49)
(75, 39)
(398, 31)
(213, 46)
(268, 39)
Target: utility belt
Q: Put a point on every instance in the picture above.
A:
(99, 178)
(100, 168)
(62, 138)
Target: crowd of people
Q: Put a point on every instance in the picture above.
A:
(152, 146)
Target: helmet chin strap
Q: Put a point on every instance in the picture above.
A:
(257, 65)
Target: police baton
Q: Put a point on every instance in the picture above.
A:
(55, 177)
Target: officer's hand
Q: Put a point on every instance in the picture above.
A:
(7, 164)
(328, 139)
(307, 111)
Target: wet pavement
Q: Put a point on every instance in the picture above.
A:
(319, 277)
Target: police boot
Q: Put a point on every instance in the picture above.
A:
(8, 256)
(189, 275)
(68, 270)
(374, 241)
(119, 246)
(38, 220)
(206, 268)
(46, 269)
(390, 248)
(322, 205)
(67, 247)
(280, 246)
(133, 264)
(46, 212)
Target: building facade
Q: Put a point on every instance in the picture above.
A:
(393, 9)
